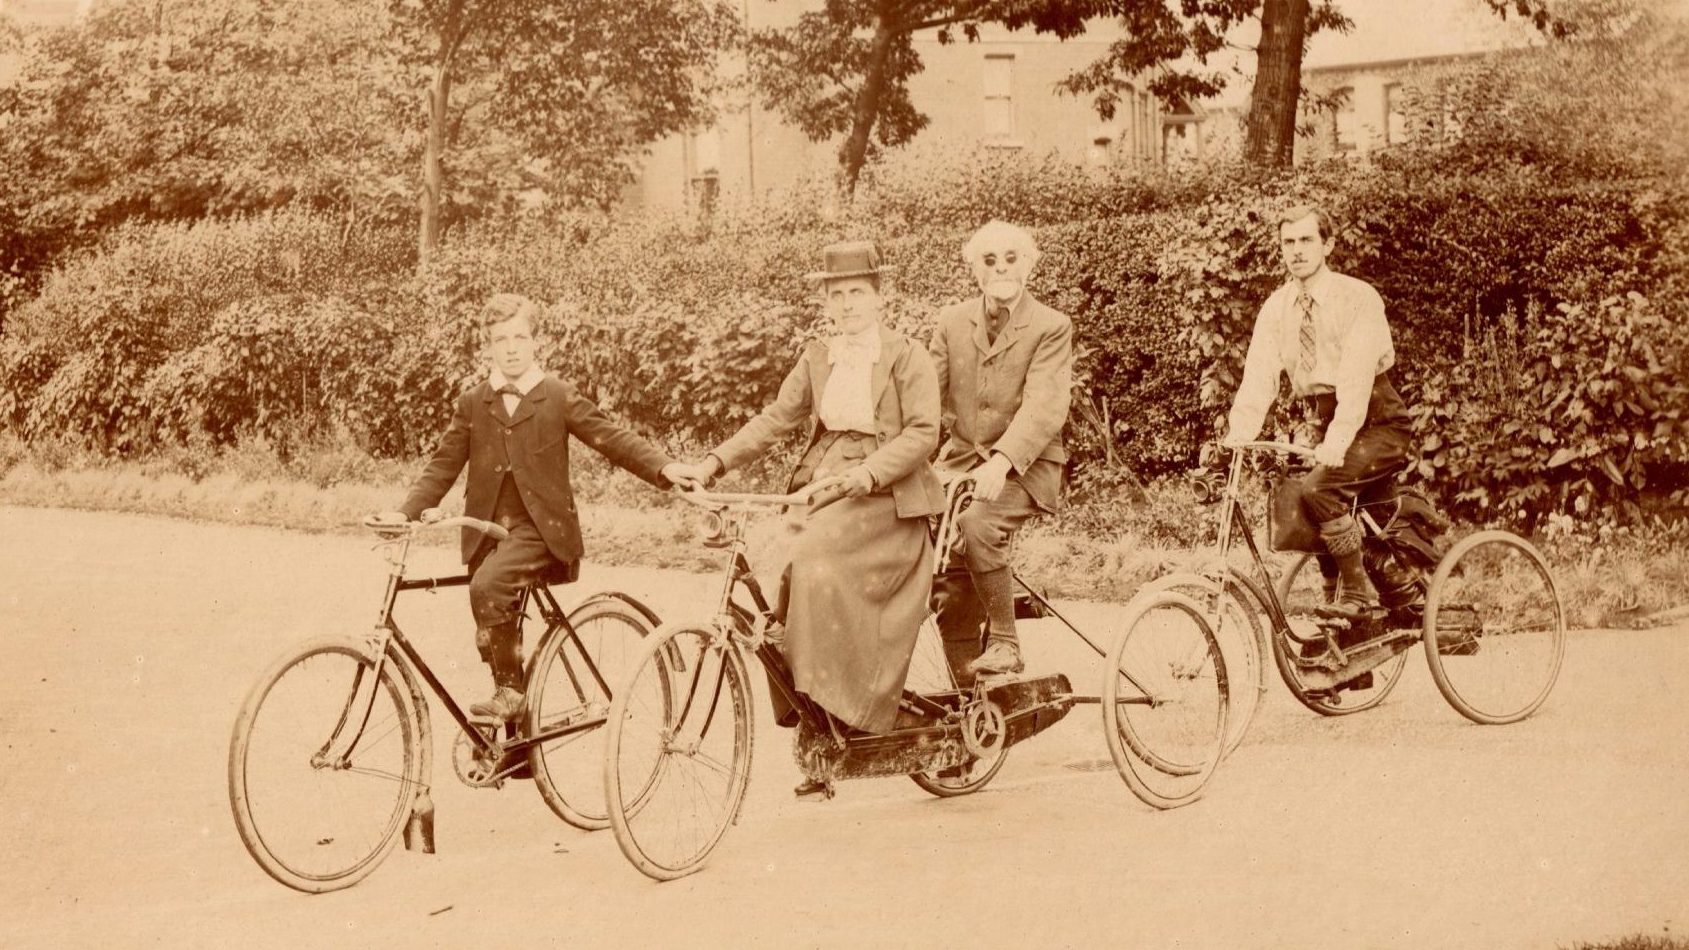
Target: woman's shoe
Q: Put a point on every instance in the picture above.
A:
(811, 790)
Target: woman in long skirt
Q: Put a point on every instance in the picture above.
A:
(861, 574)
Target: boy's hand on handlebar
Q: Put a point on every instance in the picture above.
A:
(989, 478)
(692, 475)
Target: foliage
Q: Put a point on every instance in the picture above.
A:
(1602, 391)
(1592, 107)
(281, 329)
(186, 110)
(557, 100)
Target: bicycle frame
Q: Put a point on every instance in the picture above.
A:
(388, 635)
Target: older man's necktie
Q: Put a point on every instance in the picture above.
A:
(1305, 305)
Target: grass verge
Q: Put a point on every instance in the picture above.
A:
(1101, 548)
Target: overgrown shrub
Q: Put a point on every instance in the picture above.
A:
(685, 330)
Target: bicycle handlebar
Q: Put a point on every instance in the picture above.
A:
(806, 496)
(1284, 447)
(396, 528)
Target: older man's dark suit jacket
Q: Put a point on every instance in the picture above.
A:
(532, 446)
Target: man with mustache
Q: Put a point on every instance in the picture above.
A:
(1005, 374)
(1326, 331)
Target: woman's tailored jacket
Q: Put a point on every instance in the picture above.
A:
(905, 421)
(531, 446)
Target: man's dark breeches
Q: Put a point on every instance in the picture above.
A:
(1328, 492)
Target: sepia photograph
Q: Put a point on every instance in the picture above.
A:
(1189, 474)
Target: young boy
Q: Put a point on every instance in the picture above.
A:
(512, 430)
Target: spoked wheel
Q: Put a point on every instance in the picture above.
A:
(1165, 699)
(678, 753)
(1495, 631)
(930, 672)
(1236, 618)
(571, 683)
(324, 766)
(1300, 590)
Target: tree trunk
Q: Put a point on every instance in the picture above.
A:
(433, 151)
(1270, 131)
(867, 107)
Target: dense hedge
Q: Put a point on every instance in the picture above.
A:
(1540, 326)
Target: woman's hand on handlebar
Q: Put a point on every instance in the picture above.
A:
(856, 482)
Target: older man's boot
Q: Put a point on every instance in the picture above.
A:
(1002, 646)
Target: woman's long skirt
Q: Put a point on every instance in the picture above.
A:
(859, 587)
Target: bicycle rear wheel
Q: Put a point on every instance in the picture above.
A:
(1165, 700)
(1300, 590)
(1495, 631)
(575, 672)
(675, 770)
(1236, 620)
(324, 766)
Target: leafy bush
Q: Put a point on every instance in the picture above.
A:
(282, 330)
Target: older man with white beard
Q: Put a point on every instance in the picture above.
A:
(1005, 375)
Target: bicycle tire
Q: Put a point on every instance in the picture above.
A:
(1244, 633)
(709, 668)
(570, 678)
(1488, 590)
(272, 720)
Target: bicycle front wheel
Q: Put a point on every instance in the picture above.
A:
(1237, 623)
(1166, 699)
(1495, 631)
(324, 766)
(575, 671)
(675, 769)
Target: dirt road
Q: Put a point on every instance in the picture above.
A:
(131, 642)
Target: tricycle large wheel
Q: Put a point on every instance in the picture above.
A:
(1236, 617)
(1165, 699)
(1300, 591)
(1495, 631)
(678, 750)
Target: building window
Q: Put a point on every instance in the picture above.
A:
(1395, 115)
(704, 175)
(999, 123)
(1348, 123)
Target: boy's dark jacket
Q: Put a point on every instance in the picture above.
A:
(533, 446)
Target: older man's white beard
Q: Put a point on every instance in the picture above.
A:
(1002, 290)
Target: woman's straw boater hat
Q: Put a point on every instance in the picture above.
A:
(849, 259)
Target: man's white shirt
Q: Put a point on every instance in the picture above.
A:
(1352, 346)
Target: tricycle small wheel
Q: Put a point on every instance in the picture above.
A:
(1300, 590)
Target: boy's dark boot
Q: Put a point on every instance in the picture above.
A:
(500, 646)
